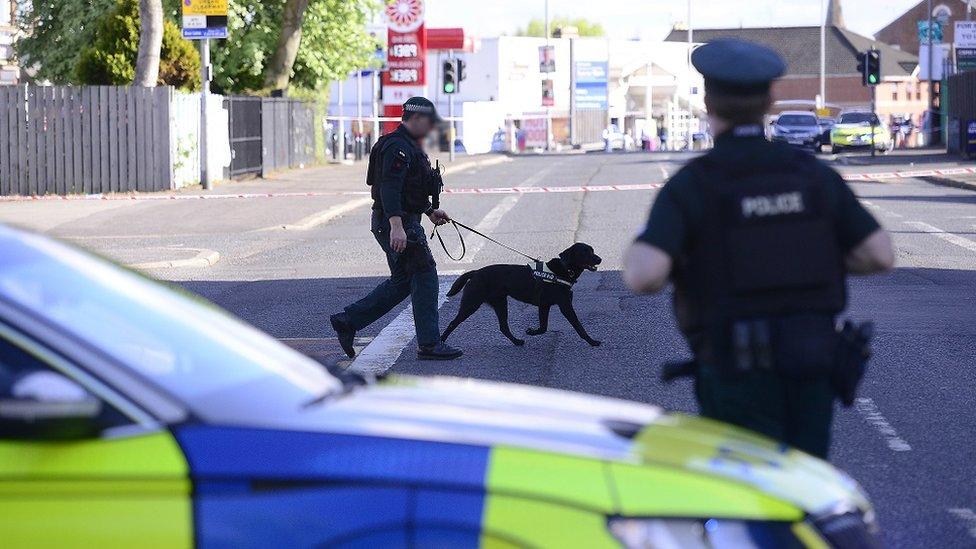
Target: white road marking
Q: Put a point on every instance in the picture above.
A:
(869, 411)
(204, 258)
(323, 217)
(944, 235)
(885, 211)
(664, 172)
(967, 516)
(382, 353)
(477, 164)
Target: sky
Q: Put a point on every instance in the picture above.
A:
(652, 19)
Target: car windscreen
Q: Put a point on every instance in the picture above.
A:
(796, 120)
(858, 118)
(190, 349)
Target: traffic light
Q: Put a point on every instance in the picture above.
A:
(449, 77)
(461, 67)
(869, 65)
(874, 67)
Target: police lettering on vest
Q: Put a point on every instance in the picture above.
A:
(767, 205)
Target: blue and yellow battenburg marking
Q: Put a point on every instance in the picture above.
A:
(261, 488)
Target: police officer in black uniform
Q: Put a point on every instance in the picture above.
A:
(758, 239)
(404, 188)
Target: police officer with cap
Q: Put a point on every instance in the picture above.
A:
(758, 239)
(404, 188)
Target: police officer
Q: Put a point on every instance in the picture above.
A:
(404, 188)
(757, 238)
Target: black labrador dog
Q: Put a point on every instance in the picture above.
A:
(542, 287)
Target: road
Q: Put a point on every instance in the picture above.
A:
(285, 262)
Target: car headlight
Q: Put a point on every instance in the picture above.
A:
(648, 533)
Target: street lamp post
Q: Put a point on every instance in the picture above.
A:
(930, 110)
(548, 112)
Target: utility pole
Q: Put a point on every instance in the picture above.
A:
(823, 53)
(931, 111)
(548, 112)
(688, 135)
(573, 138)
(205, 77)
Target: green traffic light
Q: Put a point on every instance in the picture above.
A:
(873, 79)
(448, 87)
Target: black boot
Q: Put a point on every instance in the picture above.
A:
(347, 335)
(440, 351)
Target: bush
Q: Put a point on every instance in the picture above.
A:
(111, 58)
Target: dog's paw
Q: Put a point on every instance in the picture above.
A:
(534, 331)
(595, 343)
(519, 342)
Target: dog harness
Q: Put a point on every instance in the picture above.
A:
(542, 272)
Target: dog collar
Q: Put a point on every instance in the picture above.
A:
(542, 271)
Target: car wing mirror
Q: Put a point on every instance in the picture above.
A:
(48, 406)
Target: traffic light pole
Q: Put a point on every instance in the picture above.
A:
(874, 105)
(450, 115)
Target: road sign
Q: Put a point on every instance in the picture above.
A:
(204, 19)
(971, 138)
(965, 36)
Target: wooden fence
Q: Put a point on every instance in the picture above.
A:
(92, 139)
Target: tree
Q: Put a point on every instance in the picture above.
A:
(56, 32)
(278, 71)
(150, 42)
(111, 58)
(537, 27)
(332, 43)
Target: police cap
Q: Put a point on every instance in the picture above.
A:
(421, 105)
(737, 67)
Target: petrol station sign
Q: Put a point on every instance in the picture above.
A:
(406, 44)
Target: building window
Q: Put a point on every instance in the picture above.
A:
(894, 95)
(5, 9)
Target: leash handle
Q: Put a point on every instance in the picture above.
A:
(464, 249)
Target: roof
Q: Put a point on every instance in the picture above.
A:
(800, 47)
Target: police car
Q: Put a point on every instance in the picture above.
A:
(133, 415)
(853, 131)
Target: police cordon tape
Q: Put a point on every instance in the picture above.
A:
(482, 190)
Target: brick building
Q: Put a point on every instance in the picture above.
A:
(898, 94)
(9, 72)
(902, 33)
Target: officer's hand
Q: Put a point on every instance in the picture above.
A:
(398, 238)
(439, 217)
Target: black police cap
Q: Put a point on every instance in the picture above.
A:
(737, 67)
(421, 105)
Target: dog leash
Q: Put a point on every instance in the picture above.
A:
(458, 226)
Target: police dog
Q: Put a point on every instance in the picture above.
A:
(548, 284)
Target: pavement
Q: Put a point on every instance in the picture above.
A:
(293, 249)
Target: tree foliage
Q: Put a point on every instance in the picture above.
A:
(56, 32)
(537, 27)
(111, 57)
(334, 40)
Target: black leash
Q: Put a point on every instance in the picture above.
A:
(458, 226)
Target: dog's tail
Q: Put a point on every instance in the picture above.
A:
(459, 284)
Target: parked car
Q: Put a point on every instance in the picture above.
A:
(853, 131)
(799, 128)
(826, 124)
(132, 414)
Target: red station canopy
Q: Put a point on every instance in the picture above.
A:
(449, 39)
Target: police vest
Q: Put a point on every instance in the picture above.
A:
(420, 181)
(767, 246)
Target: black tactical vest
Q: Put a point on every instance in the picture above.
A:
(420, 181)
(767, 246)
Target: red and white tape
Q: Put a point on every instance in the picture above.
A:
(882, 176)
